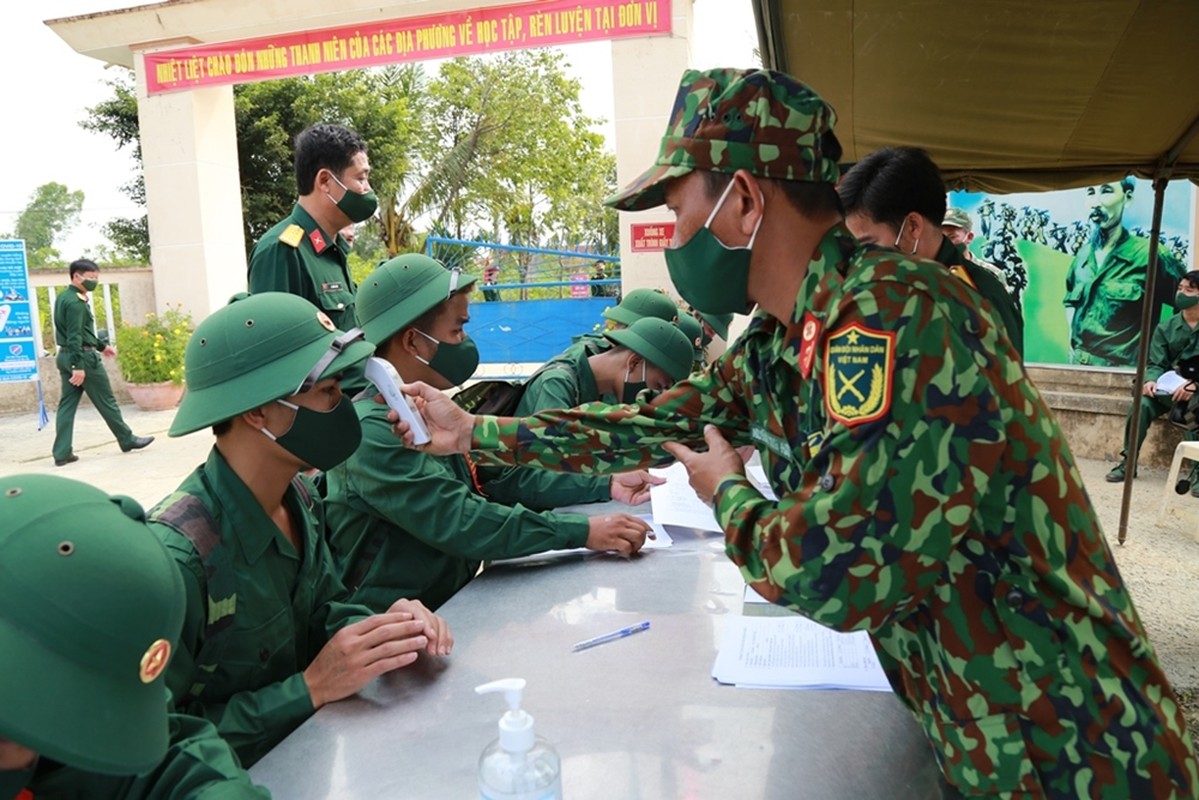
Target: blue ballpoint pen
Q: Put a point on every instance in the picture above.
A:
(611, 637)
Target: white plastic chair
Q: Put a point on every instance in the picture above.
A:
(1186, 451)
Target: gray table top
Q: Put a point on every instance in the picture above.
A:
(636, 718)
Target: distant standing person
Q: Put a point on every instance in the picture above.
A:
(79, 364)
(1105, 284)
(304, 254)
(491, 276)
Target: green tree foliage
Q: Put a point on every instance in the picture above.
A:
(495, 145)
(53, 210)
(117, 117)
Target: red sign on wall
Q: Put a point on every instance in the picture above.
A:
(650, 236)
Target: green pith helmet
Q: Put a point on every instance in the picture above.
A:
(660, 343)
(719, 323)
(91, 605)
(694, 331)
(259, 348)
(642, 303)
(399, 291)
(724, 120)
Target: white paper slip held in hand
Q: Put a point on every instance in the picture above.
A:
(388, 382)
(676, 503)
(796, 653)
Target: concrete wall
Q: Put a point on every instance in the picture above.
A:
(135, 287)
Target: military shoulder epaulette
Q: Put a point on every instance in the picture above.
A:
(292, 235)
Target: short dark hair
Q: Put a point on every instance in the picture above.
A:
(82, 265)
(324, 146)
(813, 199)
(1192, 278)
(892, 182)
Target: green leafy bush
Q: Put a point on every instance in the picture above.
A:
(153, 352)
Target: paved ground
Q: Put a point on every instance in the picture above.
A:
(1159, 561)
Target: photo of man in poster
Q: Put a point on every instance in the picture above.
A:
(1105, 283)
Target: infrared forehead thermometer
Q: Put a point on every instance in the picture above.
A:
(388, 382)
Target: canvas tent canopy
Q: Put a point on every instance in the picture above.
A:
(1006, 95)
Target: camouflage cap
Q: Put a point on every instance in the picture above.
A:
(91, 605)
(958, 218)
(724, 120)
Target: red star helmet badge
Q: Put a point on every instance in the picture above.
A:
(325, 322)
(155, 660)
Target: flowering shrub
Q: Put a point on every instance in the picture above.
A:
(153, 352)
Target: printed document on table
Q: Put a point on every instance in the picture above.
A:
(796, 653)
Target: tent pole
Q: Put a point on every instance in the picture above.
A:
(1131, 445)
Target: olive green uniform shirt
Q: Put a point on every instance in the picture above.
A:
(551, 387)
(258, 612)
(1106, 323)
(314, 267)
(406, 524)
(199, 765)
(74, 328)
(925, 495)
(1173, 341)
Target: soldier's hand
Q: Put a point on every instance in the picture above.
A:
(1182, 393)
(77, 376)
(362, 651)
(1149, 389)
(437, 630)
(622, 533)
(632, 488)
(450, 427)
(707, 470)
(109, 350)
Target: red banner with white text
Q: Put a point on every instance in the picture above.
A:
(482, 30)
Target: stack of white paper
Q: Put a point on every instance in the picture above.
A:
(796, 653)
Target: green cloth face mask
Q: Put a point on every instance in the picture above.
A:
(89, 285)
(358, 206)
(321, 439)
(709, 275)
(1182, 301)
(454, 362)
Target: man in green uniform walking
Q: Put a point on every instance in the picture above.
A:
(1175, 339)
(90, 610)
(895, 197)
(1105, 284)
(79, 364)
(649, 354)
(269, 637)
(305, 254)
(925, 491)
(404, 523)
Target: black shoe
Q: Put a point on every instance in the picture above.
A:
(1117, 474)
(62, 462)
(137, 444)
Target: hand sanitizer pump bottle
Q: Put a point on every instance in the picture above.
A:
(519, 765)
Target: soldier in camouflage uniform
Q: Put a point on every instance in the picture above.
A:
(1105, 284)
(926, 493)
